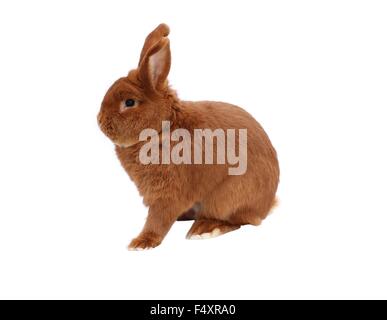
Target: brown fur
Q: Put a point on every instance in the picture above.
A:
(170, 190)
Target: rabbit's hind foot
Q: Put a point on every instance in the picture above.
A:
(206, 229)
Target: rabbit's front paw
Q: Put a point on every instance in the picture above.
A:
(144, 242)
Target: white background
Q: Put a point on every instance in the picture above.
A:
(314, 73)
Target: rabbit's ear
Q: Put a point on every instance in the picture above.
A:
(155, 65)
(161, 31)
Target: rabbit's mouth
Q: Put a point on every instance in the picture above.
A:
(109, 130)
(107, 127)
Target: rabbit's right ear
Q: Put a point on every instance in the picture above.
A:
(155, 36)
(155, 65)
(155, 60)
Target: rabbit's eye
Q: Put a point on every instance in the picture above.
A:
(130, 103)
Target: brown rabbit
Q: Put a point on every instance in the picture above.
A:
(218, 201)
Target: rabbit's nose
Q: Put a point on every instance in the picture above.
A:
(106, 124)
(99, 118)
(102, 118)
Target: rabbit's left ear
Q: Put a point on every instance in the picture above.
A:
(155, 65)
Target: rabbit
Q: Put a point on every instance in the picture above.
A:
(217, 201)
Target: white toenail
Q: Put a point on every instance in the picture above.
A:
(195, 237)
(215, 232)
(206, 235)
(136, 249)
